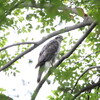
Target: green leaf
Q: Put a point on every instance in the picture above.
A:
(2, 89)
(48, 30)
(4, 97)
(80, 12)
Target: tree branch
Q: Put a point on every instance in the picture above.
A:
(87, 88)
(83, 74)
(63, 7)
(48, 5)
(66, 29)
(16, 44)
(62, 59)
(86, 57)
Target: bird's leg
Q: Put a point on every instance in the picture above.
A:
(52, 62)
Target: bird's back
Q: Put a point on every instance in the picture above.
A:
(48, 52)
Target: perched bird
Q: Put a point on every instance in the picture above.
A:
(48, 54)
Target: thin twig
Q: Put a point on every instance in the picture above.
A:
(16, 44)
(83, 74)
(86, 89)
(88, 96)
(86, 57)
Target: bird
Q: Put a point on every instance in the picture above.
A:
(48, 53)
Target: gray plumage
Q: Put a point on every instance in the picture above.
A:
(48, 54)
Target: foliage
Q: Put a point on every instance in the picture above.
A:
(4, 97)
(19, 16)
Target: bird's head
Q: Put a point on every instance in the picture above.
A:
(59, 38)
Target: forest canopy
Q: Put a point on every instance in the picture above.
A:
(77, 69)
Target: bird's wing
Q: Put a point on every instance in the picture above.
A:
(48, 52)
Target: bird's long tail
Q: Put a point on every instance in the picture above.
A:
(39, 74)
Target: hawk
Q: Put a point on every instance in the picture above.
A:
(48, 54)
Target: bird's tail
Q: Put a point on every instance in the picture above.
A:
(39, 75)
